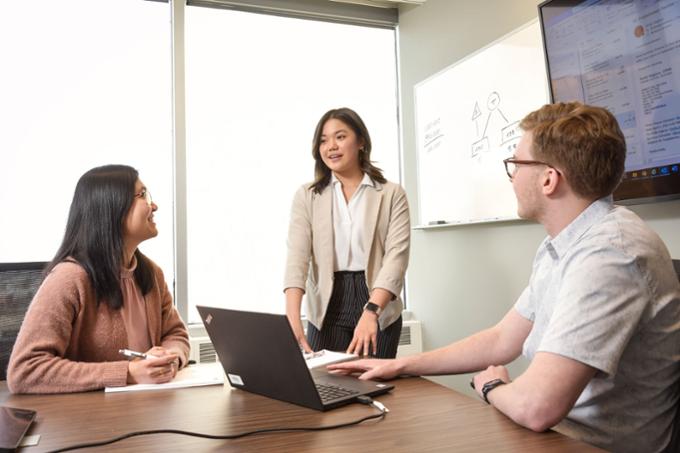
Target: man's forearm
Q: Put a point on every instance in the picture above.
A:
(497, 345)
(541, 396)
(470, 354)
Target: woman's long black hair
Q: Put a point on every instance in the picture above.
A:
(94, 232)
(322, 174)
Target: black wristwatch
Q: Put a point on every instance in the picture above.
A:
(486, 388)
(375, 308)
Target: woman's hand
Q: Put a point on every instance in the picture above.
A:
(299, 333)
(365, 340)
(293, 302)
(160, 351)
(160, 368)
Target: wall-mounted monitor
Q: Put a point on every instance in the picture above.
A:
(623, 55)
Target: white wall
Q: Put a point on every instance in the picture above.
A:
(463, 279)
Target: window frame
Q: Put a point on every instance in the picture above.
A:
(306, 9)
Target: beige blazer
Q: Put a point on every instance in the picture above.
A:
(310, 247)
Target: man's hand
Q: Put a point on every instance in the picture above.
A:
(370, 368)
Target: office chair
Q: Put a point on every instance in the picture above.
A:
(18, 284)
(674, 446)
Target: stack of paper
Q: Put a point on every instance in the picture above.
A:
(325, 357)
(190, 376)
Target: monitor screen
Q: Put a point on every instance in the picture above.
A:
(623, 55)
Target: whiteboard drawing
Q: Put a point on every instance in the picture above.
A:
(467, 122)
(476, 113)
(493, 106)
(433, 135)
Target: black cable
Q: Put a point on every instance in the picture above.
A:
(361, 399)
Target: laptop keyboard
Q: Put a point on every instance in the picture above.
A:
(330, 392)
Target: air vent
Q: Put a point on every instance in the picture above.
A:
(411, 340)
(405, 337)
(202, 350)
(206, 353)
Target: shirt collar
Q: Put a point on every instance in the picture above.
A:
(365, 181)
(569, 235)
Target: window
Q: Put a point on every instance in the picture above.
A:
(89, 82)
(255, 87)
(83, 83)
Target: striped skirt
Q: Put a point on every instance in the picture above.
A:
(346, 306)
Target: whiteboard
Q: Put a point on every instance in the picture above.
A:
(467, 122)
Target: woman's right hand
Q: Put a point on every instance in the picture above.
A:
(300, 336)
(293, 302)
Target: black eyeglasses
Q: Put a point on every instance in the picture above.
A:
(146, 195)
(511, 165)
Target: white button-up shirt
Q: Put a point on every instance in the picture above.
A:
(348, 226)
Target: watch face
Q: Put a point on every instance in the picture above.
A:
(374, 308)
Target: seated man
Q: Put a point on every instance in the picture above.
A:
(600, 318)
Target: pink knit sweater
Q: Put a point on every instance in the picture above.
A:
(69, 344)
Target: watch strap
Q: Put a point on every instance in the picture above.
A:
(487, 387)
(375, 308)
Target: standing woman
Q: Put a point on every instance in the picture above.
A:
(100, 294)
(348, 246)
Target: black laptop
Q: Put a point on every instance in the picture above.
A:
(260, 354)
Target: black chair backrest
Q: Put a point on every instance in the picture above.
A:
(18, 284)
(674, 446)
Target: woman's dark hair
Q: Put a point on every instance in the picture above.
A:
(94, 232)
(322, 174)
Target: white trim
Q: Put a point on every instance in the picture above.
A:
(179, 157)
(312, 9)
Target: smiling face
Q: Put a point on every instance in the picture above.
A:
(139, 224)
(340, 147)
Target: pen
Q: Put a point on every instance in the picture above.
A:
(130, 354)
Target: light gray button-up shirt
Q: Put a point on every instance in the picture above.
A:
(604, 292)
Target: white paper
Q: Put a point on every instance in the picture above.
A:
(190, 376)
(30, 441)
(325, 357)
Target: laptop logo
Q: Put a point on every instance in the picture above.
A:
(235, 379)
(208, 319)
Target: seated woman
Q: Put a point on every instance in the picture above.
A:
(100, 295)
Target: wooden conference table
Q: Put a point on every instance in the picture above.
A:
(424, 416)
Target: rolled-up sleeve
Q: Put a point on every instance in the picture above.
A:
(397, 246)
(299, 241)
